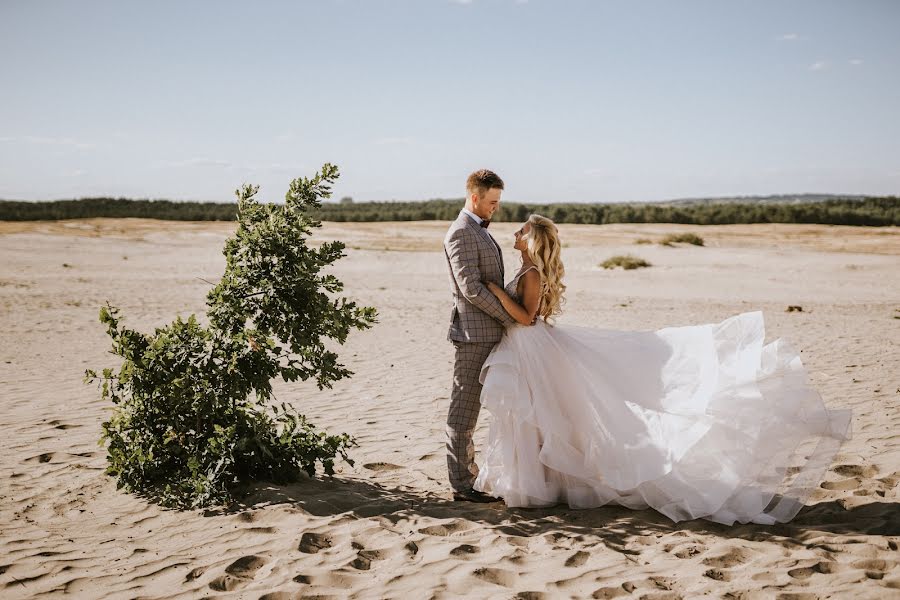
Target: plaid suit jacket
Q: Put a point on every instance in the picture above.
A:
(474, 258)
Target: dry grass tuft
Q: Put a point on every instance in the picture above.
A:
(682, 238)
(626, 261)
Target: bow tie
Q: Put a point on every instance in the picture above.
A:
(485, 223)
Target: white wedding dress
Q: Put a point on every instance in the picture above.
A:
(702, 421)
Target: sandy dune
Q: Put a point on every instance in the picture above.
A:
(386, 527)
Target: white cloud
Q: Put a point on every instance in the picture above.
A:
(855, 61)
(73, 173)
(461, 1)
(789, 37)
(287, 136)
(819, 65)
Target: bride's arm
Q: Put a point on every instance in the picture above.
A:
(525, 313)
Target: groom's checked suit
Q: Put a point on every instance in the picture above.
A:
(476, 325)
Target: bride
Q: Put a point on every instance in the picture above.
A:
(701, 421)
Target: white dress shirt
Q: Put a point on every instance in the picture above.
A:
(473, 215)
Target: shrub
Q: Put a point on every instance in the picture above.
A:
(643, 241)
(193, 415)
(682, 238)
(625, 261)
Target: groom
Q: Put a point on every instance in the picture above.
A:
(476, 323)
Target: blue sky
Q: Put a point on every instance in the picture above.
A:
(566, 100)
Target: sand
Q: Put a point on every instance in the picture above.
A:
(387, 528)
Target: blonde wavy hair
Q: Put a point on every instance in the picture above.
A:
(543, 247)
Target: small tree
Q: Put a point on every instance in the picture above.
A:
(193, 414)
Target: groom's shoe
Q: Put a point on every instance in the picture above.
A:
(473, 495)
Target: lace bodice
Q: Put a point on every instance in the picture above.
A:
(512, 287)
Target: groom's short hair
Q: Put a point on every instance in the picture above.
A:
(481, 181)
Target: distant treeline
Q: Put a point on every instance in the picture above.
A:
(866, 211)
(89, 208)
(858, 211)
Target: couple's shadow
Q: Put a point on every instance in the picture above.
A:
(615, 526)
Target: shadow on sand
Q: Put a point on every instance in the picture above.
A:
(614, 526)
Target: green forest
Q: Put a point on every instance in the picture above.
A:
(869, 211)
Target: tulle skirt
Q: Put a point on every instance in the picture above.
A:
(702, 421)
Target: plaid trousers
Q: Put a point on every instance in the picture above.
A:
(465, 403)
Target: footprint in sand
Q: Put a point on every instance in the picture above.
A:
(829, 567)
(820, 567)
(337, 579)
(874, 568)
(856, 471)
(465, 550)
(577, 559)
(446, 529)
(891, 480)
(364, 559)
(530, 596)
(801, 572)
(732, 558)
(717, 575)
(277, 596)
(379, 467)
(608, 593)
(43, 458)
(517, 558)
(226, 583)
(690, 551)
(663, 583)
(246, 566)
(843, 485)
(500, 577)
(372, 554)
(310, 543)
(260, 530)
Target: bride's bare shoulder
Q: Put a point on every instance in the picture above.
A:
(531, 276)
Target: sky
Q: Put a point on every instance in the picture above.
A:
(567, 100)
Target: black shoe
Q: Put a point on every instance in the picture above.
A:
(473, 495)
